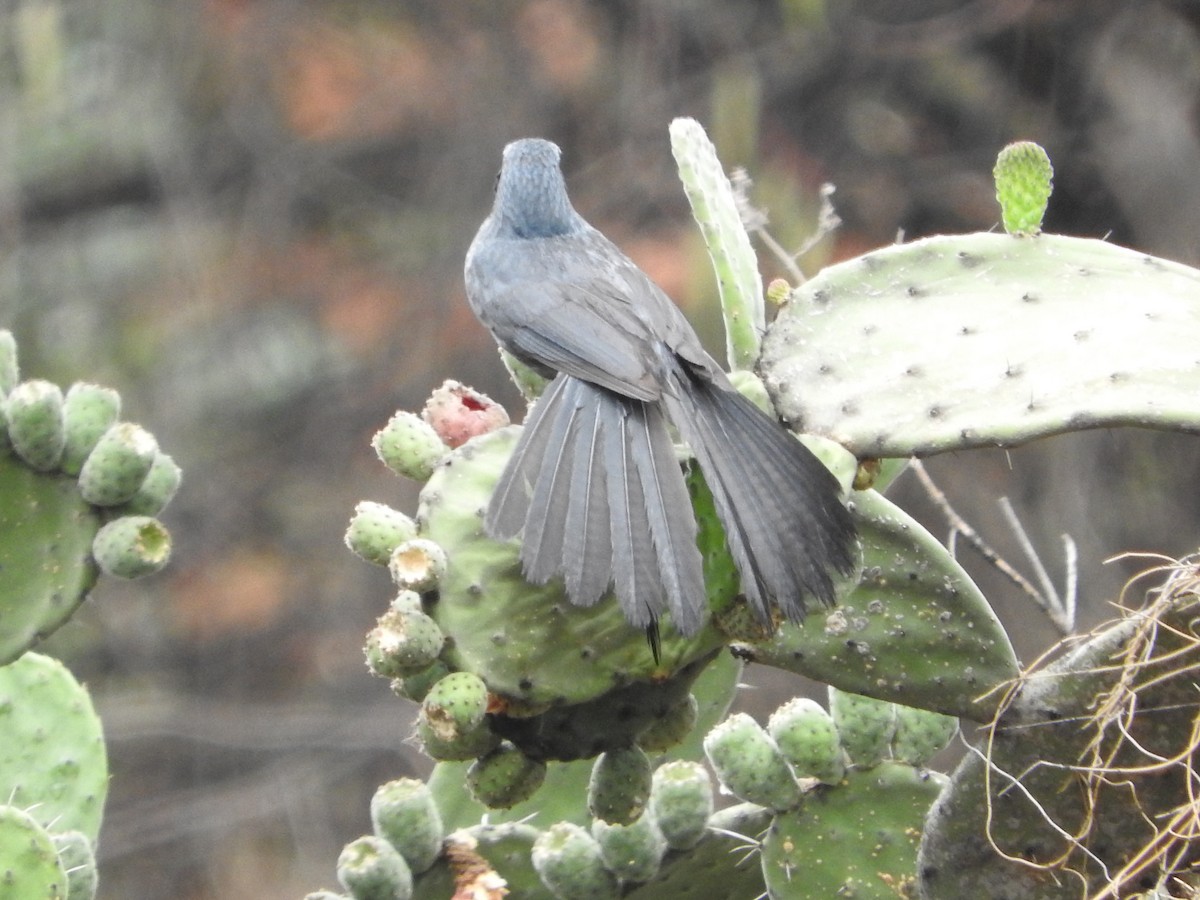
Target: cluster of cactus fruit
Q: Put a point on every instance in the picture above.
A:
(573, 763)
(79, 492)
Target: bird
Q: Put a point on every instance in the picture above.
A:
(594, 487)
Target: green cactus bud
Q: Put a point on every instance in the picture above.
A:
(118, 465)
(9, 370)
(403, 643)
(632, 852)
(1024, 180)
(458, 413)
(505, 777)
(158, 488)
(376, 530)
(568, 861)
(681, 800)
(35, 423)
(417, 687)
(407, 602)
(132, 546)
(671, 728)
(409, 446)
(372, 869)
(619, 786)
(79, 862)
(920, 734)
(865, 726)
(778, 291)
(403, 814)
(452, 721)
(30, 867)
(808, 739)
(750, 765)
(417, 564)
(88, 411)
(528, 382)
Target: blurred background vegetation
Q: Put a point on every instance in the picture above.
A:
(250, 216)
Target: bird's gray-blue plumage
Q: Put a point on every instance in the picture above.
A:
(594, 481)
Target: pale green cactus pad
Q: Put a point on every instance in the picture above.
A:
(987, 340)
(915, 630)
(46, 566)
(856, 839)
(29, 864)
(52, 759)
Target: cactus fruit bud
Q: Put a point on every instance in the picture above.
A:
(619, 786)
(920, 734)
(458, 413)
(9, 370)
(376, 530)
(1024, 180)
(403, 814)
(681, 800)
(403, 642)
(372, 869)
(409, 446)
(158, 488)
(632, 852)
(505, 777)
(417, 564)
(117, 465)
(132, 546)
(865, 726)
(750, 765)
(670, 728)
(568, 861)
(807, 738)
(79, 862)
(88, 411)
(452, 722)
(778, 291)
(35, 423)
(417, 687)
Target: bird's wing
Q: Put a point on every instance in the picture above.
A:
(587, 329)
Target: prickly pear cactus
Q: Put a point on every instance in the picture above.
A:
(78, 493)
(1082, 784)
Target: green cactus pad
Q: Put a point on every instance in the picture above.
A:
(52, 759)
(915, 629)
(403, 814)
(29, 865)
(528, 642)
(89, 410)
(404, 642)
(117, 465)
(865, 726)
(986, 340)
(505, 777)
(569, 862)
(409, 446)
(749, 763)
(681, 801)
(79, 862)
(157, 489)
(808, 739)
(34, 410)
(132, 547)
(372, 869)
(376, 530)
(632, 852)
(46, 567)
(920, 734)
(857, 839)
(1023, 184)
(620, 785)
(1088, 770)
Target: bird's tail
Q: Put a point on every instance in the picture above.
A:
(785, 523)
(595, 484)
